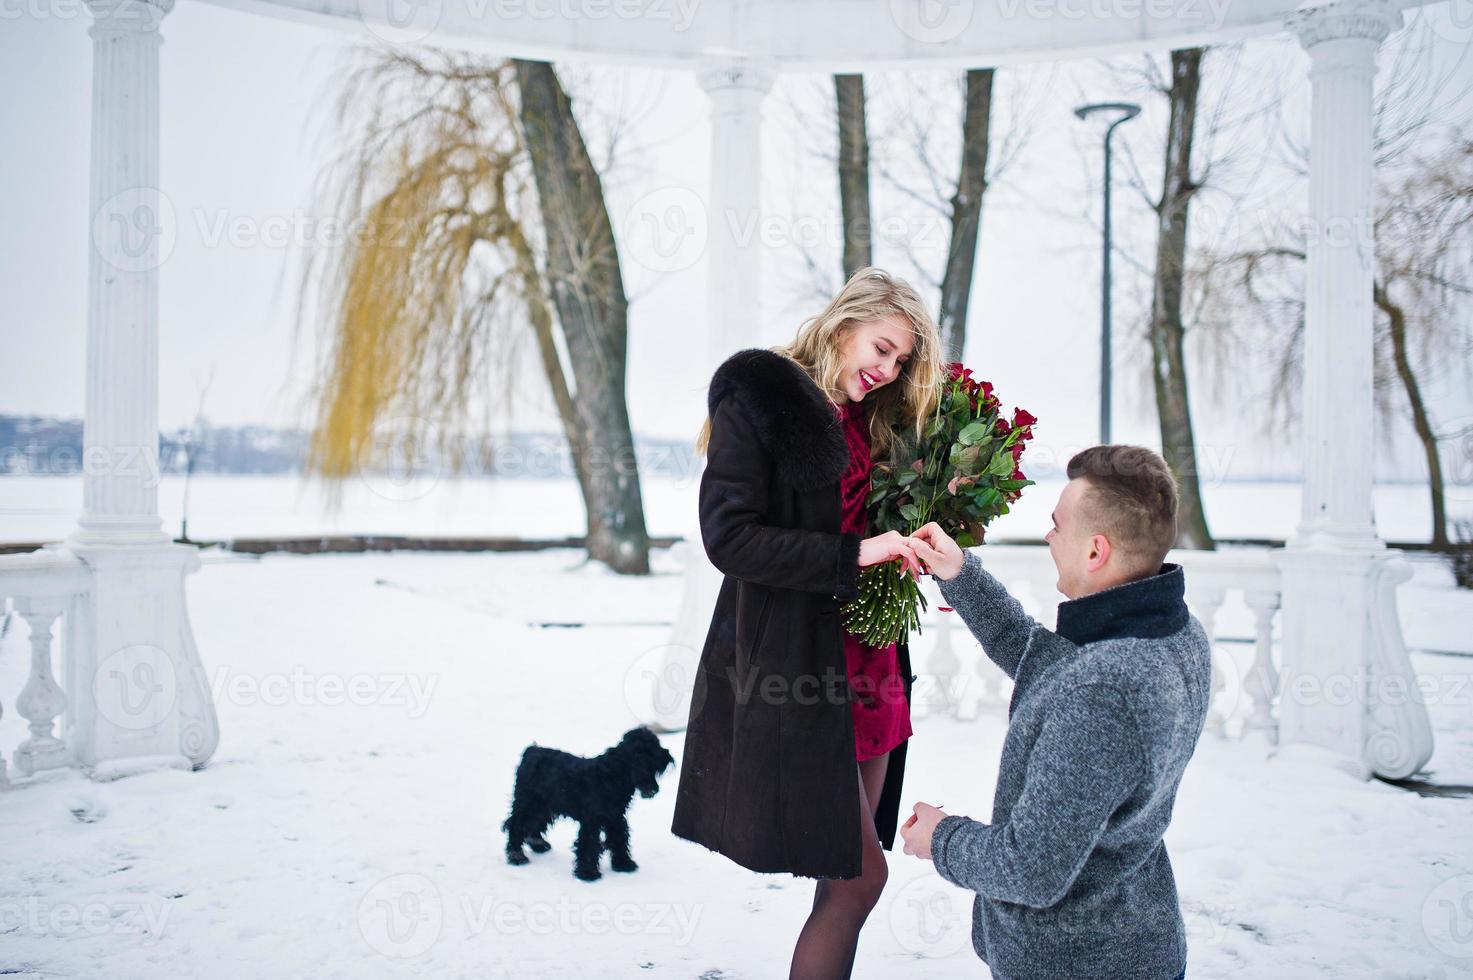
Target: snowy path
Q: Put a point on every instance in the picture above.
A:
(347, 827)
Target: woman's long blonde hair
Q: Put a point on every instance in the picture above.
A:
(871, 294)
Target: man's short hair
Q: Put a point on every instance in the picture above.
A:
(1131, 499)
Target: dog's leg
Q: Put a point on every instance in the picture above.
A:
(617, 832)
(514, 852)
(586, 851)
(516, 830)
(538, 843)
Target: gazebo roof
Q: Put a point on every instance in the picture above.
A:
(805, 35)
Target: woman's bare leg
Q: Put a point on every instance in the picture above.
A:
(827, 943)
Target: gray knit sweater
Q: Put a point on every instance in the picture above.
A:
(1071, 876)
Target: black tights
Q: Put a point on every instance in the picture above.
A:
(827, 943)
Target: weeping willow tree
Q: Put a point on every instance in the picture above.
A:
(449, 266)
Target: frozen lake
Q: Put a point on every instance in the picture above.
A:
(46, 508)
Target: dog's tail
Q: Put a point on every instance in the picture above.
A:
(524, 766)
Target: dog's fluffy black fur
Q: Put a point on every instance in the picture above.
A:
(595, 792)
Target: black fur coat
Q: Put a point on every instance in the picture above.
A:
(768, 776)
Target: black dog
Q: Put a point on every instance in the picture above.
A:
(595, 792)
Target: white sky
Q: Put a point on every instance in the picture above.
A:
(244, 133)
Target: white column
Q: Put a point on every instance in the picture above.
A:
(733, 254)
(737, 88)
(130, 234)
(137, 696)
(1339, 421)
(1334, 656)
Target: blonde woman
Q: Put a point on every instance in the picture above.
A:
(795, 747)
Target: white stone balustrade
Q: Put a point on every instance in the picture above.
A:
(1243, 697)
(42, 588)
(115, 683)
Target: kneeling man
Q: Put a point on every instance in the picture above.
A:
(1072, 876)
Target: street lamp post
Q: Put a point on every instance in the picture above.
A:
(1122, 111)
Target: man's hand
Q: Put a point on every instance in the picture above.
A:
(940, 555)
(920, 828)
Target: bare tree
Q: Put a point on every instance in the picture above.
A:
(966, 211)
(1424, 277)
(588, 291)
(915, 188)
(1206, 140)
(854, 203)
(1167, 328)
(442, 277)
(954, 196)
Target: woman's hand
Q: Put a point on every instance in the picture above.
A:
(884, 547)
(942, 556)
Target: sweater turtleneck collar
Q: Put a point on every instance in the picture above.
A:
(1147, 608)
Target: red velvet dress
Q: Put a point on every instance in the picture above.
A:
(881, 714)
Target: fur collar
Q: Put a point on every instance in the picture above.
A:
(794, 418)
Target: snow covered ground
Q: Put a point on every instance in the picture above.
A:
(373, 708)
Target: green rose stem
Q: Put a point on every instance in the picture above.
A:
(885, 610)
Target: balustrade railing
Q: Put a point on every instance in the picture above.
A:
(956, 678)
(42, 589)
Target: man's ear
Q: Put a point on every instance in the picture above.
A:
(1099, 553)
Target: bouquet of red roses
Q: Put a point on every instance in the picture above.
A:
(963, 472)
